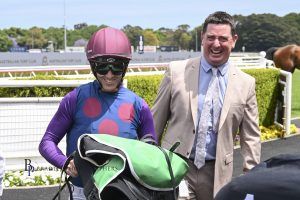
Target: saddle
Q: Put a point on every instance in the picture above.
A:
(117, 168)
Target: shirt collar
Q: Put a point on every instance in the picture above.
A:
(206, 66)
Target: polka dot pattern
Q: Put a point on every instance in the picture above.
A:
(126, 112)
(108, 126)
(92, 107)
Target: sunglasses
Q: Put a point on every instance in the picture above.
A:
(102, 68)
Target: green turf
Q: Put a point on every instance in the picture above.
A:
(296, 94)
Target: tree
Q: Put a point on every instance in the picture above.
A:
(83, 33)
(256, 32)
(14, 32)
(5, 42)
(185, 40)
(260, 32)
(150, 38)
(33, 38)
(133, 33)
(196, 39)
(88, 31)
(183, 27)
(56, 35)
(165, 37)
(293, 19)
(182, 37)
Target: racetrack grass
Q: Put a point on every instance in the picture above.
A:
(296, 94)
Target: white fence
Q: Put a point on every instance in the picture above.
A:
(23, 122)
(287, 101)
(77, 70)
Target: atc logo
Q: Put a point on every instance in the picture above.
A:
(31, 167)
(45, 61)
(28, 166)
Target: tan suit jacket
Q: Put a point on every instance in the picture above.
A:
(177, 104)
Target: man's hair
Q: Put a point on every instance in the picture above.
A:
(220, 17)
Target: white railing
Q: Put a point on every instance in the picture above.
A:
(23, 122)
(43, 83)
(254, 61)
(287, 101)
(78, 70)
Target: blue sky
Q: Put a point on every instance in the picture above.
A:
(118, 13)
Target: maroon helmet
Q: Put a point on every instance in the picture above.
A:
(108, 42)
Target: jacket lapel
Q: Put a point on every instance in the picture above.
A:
(228, 94)
(193, 77)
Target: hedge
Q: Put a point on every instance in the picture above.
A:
(267, 93)
(267, 90)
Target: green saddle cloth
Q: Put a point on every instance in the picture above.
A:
(147, 162)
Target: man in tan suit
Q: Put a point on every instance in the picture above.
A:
(179, 105)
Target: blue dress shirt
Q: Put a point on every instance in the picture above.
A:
(205, 74)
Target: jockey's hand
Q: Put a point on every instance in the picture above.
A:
(71, 169)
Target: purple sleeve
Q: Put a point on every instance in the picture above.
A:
(59, 125)
(146, 131)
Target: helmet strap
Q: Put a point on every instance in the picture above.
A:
(124, 72)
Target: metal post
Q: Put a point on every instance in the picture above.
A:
(32, 40)
(288, 102)
(65, 28)
(196, 40)
(262, 60)
(287, 93)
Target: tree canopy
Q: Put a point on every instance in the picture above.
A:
(256, 32)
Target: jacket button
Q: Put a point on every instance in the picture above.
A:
(188, 153)
(194, 131)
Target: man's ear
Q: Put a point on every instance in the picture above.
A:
(234, 38)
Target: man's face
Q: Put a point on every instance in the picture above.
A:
(217, 43)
